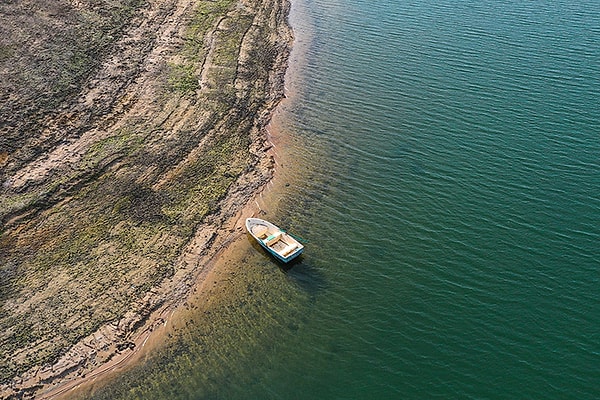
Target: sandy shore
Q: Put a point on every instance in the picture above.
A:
(40, 193)
(201, 293)
(161, 323)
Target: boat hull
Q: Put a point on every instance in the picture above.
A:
(274, 240)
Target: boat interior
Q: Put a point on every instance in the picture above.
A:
(276, 240)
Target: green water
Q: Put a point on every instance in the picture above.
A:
(449, 155)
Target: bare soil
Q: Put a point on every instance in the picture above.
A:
(130, 133)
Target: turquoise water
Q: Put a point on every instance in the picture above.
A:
(449, 155)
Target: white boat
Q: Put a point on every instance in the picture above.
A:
(277, 242)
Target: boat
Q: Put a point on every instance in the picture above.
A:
(279, 243)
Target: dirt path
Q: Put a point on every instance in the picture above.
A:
(118, 181)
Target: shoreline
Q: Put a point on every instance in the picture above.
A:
(166, 320)
(129, 338)
(170, 318)
(160, 322)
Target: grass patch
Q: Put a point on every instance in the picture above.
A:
(182, 78)
(6, 52)
(206, 15)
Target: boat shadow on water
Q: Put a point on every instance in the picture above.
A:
(301, 271)
(306, 276)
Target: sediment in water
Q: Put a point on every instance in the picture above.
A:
(142, 138)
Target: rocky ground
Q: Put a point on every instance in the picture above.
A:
(130, 131)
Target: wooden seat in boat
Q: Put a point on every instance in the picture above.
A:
(274, 238)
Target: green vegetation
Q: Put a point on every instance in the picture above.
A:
(124, 142)
(184, 73)
(182, 78)
(6, 52)
(204, 19)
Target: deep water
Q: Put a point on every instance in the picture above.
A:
(448, 183)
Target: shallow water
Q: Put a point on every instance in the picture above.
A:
(447, 159)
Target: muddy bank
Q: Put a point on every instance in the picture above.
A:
(131, 132)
